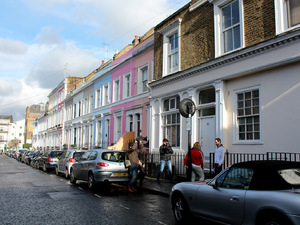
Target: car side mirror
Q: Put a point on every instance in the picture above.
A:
(214, 184)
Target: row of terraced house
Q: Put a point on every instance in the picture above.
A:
(239, 61)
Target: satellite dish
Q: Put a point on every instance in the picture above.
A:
(187, 108)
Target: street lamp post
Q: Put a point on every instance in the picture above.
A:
(187, 109)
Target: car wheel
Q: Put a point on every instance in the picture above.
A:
(56, 171)
(44, 168)
(91, 182)
(180, 209)
(274, 219)
(66, 173)
(72, 177)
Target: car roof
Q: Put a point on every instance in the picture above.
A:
(268, 164)
(266, 176)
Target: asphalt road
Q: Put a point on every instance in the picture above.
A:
(30, 196)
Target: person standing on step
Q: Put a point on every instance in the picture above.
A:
(165, 151)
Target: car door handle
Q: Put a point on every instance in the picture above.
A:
(235, 198)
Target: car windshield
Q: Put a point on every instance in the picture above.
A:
(114, 156)
(292, 176)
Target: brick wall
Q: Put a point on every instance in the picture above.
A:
(259, 20)
(197, 32)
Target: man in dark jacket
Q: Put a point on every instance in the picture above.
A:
(165, 151)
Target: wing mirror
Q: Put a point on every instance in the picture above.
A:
(214, 184)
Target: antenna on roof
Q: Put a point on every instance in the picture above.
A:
(106, 51)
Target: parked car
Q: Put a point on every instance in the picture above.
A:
(97, 166)
(12, 154)
(66, 160)
(257, 192)
(20, 154)
(48, 160)
(22, 159)
(34, 162)
(28, 157)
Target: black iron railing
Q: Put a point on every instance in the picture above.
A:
(153, 161)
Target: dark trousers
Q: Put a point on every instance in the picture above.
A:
(217, 169)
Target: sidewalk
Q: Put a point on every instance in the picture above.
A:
(163, 188)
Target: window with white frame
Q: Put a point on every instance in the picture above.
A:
(293, 12)
(74, 111)
(105, 94)
(171, 121)
(171, 47)
(98, 97)
(116, 93)
(130, 122)
(143, 79)
(126, 85)
(231, 27)
(248, 115)
(91, 103)
(287, 15)
(228, 26)
(79, 109)
(86, 105)
(99, 133)
(173, 53)
(118, 127)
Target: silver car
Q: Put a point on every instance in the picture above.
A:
(257, 192)
(103, 166)
(66, 160)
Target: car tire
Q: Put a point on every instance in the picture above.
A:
(44, 168)
(72, 177)
(56, 171)
(66, 173)
(91, 182)
(180, 209)
(274, 219)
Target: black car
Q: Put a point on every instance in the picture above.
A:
(48, 160)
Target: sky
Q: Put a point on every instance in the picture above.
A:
(42, 41)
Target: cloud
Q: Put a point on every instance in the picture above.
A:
(63, 60)
(49, 36)
(116, 20)
(13, 47)
(73, 33)
(16, 95)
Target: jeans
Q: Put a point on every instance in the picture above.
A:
(133, 174)
(163, 164)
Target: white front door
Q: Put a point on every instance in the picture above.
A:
(207, 132)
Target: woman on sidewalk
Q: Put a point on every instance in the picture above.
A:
(197, 162)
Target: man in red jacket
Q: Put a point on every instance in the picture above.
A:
(197, 162)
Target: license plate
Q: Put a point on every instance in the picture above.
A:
(120, 174)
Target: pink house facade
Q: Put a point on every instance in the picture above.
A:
(131, 72)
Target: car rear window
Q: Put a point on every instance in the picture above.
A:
(77, 155)
(56, 154)
(113, 156)
(292, 176)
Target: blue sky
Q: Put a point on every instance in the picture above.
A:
(43, 40)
